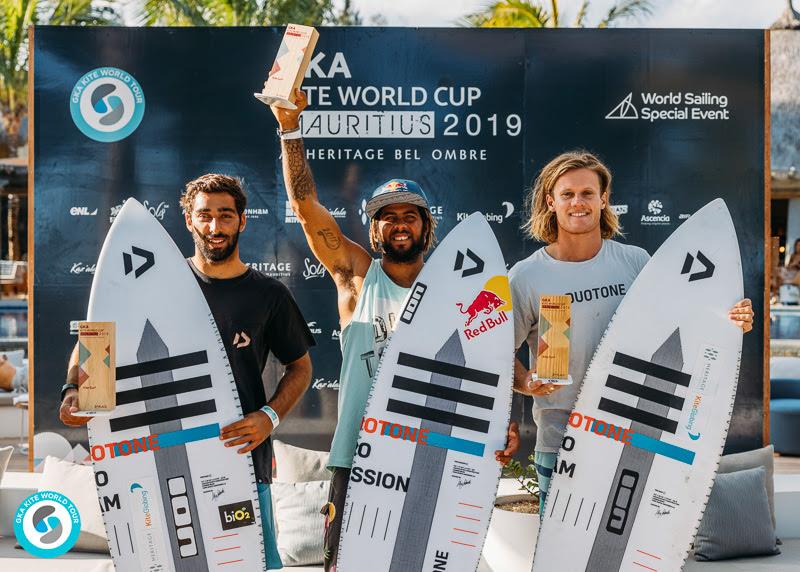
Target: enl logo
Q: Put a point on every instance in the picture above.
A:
(47, 524)
(107, 104)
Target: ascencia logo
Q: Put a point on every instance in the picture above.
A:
(47, 524)
(655, 207)
(107, 104)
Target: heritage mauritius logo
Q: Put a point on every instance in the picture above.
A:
(107, 104)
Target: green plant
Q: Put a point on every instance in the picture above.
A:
(542, 14)
(525, 474)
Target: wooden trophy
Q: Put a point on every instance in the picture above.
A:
(97, 392)
(552, 361)
(289, 67)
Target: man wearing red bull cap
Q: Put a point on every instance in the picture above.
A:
(570, 210)
(370, 292)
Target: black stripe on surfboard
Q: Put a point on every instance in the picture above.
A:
(634, 414)
(648, 393)
(653, 369)
(162, 415)
(448, 369)
(162, 364)
(437, 415)
(443, 392)
(163, 389)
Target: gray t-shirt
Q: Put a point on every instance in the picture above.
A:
(596, 287)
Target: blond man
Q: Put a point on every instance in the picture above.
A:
(570, 210)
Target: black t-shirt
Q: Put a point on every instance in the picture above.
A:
(255, 314)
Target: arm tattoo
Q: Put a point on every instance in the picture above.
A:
(331, 240)
(296, 172)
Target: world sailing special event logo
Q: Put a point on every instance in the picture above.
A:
(107, 104)
(47, 524)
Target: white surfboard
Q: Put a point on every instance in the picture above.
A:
(174, 498)
(643, 443)
(424, 477)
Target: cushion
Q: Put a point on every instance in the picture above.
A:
(298, 465)
(737, 520)
(5, 456)
(299, 522)
(76, 482)
(764, 457)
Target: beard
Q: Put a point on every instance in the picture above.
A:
(403, 257)
(215, 254)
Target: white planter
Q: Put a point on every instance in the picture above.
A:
(511, 539)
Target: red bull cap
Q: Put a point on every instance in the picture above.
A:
(396, 191)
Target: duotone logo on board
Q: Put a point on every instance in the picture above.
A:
(107, 104)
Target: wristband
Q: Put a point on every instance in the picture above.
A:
(290, 134)
(65, 387)
(273, 416)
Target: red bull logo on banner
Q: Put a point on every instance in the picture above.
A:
(494, 298)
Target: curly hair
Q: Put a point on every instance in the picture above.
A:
(428, 231)
(541, 223)
(214, 183)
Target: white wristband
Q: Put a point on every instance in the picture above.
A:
(273, 416)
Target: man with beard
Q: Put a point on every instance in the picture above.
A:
(246, 305)
(370, 293)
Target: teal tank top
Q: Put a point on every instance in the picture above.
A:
(362, 341)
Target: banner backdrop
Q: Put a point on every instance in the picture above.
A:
(470, 114)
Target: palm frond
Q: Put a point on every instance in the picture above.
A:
(626, 9)
(580, 16)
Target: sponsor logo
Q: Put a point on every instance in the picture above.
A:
(336, 334)
(144, 501)
(394, 186)
(688, 264)
(313, 270)
(322, 383)
(157, 210)
(272, 269)
(256, 213)
(241, 340)
(494, 298)
(237, 515)
(495, 217)
(683, 216)
(47, 524)
(82, 211)
(313, 328)
(655, 207)
(81, 268)
(127, 260)
(619, 209)
(656, 217)
(467, 272)
(291, 218)
(672, 106)
(107, 104)
(413, 302)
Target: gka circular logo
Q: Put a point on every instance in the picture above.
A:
(47, 524)
(655, 206)
(107, 104)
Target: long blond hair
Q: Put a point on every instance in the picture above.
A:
(541, 223)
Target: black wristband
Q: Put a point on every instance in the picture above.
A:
(65, 387)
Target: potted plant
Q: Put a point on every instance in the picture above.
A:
(512, 534)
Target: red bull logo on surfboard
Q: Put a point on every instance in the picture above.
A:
(494, 299)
